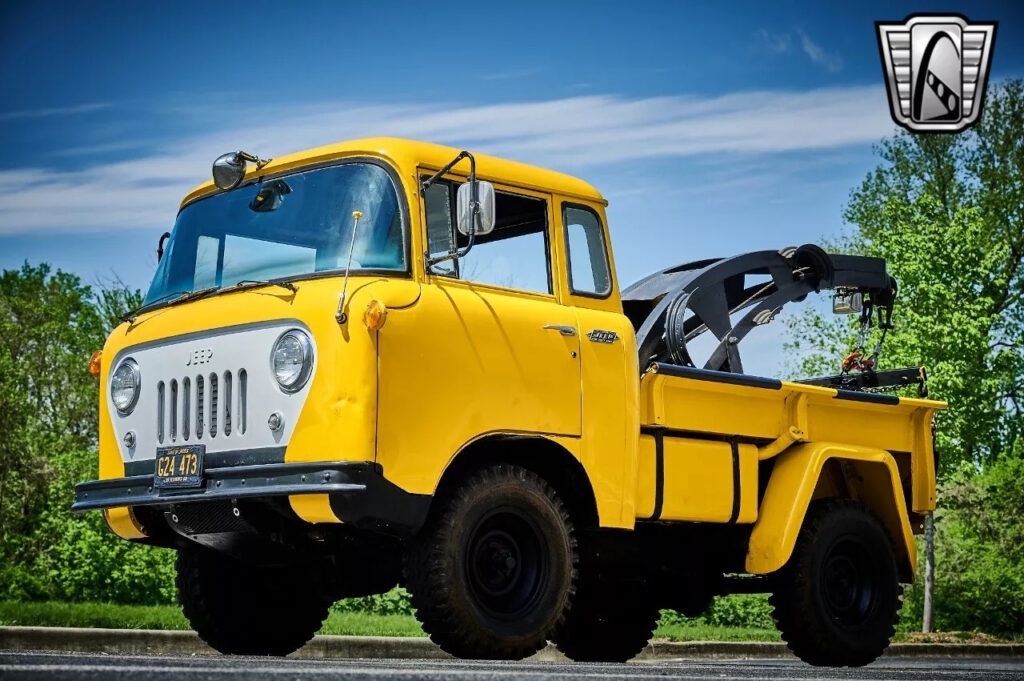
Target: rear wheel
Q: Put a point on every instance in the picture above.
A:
(493, 571)
(244, 609)
(837, 600)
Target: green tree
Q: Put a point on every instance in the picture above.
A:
(979, 547)
(947, 214)
(50, 323)
(48, 330)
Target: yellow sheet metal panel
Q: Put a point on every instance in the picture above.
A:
(122, 522)
(338, 419)
(734, 410)
(883, 426)
(646, 478)
(791, 487)
(748, 484)
(922, 462)
(610, 420)
(467, 360)
(698, 480)
(609, 386)
(408, 154)
(313, 508)
(706, 406)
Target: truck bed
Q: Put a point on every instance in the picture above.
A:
(707, 435)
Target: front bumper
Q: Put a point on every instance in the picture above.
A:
(359, 494)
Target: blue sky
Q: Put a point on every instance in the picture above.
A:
(712, 128)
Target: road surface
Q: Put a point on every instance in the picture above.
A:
(74, 667)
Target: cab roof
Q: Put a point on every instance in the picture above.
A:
(409, 154)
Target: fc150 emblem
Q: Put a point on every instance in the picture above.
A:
(936, 69)
(599, 336)
(199, 356)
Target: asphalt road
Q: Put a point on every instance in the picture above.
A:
(70, 667)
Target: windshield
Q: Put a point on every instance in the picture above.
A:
(285, 227)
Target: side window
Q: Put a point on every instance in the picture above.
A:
(438, 203)
(515, 255)
(588, 257)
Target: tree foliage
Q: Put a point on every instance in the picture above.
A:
(979, 551)
(947, 214)
(50, 323)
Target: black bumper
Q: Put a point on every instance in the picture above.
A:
(359, 493)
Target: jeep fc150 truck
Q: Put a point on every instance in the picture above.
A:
(386, 362)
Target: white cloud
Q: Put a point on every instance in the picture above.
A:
(572, 134)
(819, 55)
(781, 43)
(56, 111)
(776, 43)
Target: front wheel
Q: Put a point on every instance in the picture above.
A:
(244, 609)
(837, 600)
(492, 573)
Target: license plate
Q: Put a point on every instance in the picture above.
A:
(180, 466)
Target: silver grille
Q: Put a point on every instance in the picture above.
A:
(205, 401)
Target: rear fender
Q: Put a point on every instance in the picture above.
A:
(865, 474)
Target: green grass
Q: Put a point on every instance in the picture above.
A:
(105, 615)
(114, 616)
(349, 623)
(707, 632)
(368, 624)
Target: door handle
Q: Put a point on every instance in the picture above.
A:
(563, 329)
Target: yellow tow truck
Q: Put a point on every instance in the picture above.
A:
(385, 362)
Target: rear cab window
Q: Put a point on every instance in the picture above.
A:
(589, 270)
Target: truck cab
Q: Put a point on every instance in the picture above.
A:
(386, 362)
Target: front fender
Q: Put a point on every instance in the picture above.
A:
(791, 488)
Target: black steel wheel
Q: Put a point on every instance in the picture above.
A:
(837, 600)
(506, 564)
(492, 573)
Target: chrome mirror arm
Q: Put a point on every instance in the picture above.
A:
(474, 206)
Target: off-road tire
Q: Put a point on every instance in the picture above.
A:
(242, 609)
(613, 615)
(837, 601)
(493, 571)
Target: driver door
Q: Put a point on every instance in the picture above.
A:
(486, 349)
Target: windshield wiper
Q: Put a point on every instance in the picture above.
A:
(171, 298)
(255, 283)
(177, 297)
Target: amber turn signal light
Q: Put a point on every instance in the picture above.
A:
(94, 363)
(376, 314)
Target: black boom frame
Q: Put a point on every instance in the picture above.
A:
(669, 309)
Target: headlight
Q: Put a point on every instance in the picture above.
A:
(292, 360)
(125, 385)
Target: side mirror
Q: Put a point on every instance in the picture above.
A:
(848, 302)
(229, 168)
(228, 171)
(485, 208)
